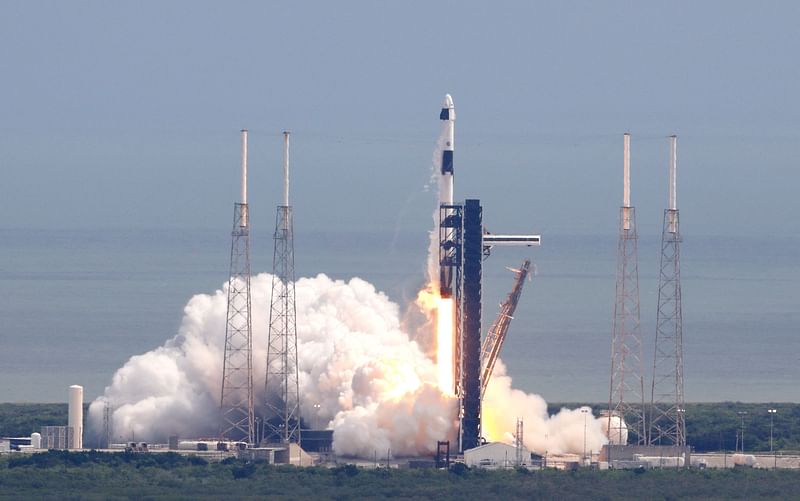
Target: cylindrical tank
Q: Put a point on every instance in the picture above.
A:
(75, 421)
(744, 460)
(614, 428)
(36, 440)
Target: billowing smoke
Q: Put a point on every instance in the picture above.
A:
(359, 373)
(557, 434)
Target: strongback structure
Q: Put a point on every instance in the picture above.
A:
(471, 349)
(667, 425)
(236, 400)
(626, 398)
(282, 390)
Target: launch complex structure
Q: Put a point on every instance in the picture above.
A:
(465, 357)
(463, 245)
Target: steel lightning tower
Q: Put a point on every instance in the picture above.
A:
(282, 385)
(236, 400)
(626, 398)
(667, 422)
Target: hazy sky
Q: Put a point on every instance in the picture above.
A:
(128, 113)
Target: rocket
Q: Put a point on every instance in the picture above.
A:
(448, 118)
(446, 141)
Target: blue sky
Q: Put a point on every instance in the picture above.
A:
(128, 114)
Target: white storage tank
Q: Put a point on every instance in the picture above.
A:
(745, 460)
(75, 421)
(36, 440)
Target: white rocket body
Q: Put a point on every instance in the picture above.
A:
(448, 118)
(446, 171)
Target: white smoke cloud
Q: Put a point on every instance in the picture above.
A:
(556, 434)
(359, 373)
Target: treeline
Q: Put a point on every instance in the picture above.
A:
(92, 475)
(718, 426)
(20, 420)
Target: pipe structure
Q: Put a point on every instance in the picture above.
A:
(626, 182)
(244, 212)
(286, 168)
(672, 209)
(673, 171)
(626, 171)
(244, 166)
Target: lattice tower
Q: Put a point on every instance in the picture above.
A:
(236, 400)
(667, 423)
(626, 397)
(282, 419)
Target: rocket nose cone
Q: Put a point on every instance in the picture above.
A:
(448, 110)
(448, 101)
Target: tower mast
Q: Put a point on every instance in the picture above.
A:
(236, 400)
(626, 396)
(282, 384)
(667, 424)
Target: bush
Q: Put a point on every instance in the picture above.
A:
(459, 468)
(244, 471)
(350, 470)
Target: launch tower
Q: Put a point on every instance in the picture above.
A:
(282, 398)
(626, 398)
(236, 400)
(667, 423)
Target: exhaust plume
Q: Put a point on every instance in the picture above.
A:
(359, 373)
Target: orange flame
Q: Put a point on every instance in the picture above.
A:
(445, 320)
(443, 311)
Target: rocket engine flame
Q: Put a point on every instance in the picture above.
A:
(445, 336)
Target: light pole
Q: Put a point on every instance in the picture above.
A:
(585, 412)
(316, 415)
(681, 426)
(742, 414)
(771, 427)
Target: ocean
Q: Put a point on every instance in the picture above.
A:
(76, 304)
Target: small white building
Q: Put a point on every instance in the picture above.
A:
(496, 455)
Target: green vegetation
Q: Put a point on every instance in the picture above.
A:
(20, 420)
(715, 426)
(93, 475)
